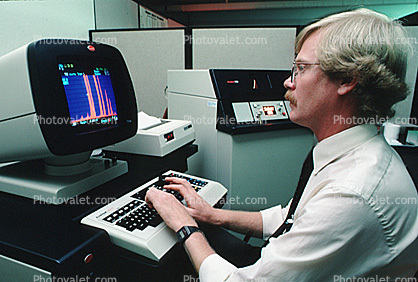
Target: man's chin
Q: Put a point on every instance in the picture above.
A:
(299, 121)
(294, 118)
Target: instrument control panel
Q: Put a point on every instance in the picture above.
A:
(260, 111)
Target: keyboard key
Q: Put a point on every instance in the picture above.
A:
(156, 221)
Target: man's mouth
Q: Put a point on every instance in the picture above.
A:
(288, 96)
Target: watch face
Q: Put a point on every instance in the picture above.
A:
(182, 233)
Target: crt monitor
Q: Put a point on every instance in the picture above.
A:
(59, 100)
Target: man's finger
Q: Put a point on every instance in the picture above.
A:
(173, 186)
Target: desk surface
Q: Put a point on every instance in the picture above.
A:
(48, 234)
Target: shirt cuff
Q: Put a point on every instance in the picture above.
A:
(272, 219)
(214, 268)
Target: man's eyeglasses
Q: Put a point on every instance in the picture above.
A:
(299, 67)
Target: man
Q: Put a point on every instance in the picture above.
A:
(349, 222)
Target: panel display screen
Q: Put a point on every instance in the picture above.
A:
(90, 95)
(269, 110)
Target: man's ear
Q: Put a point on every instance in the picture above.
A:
(347, 85)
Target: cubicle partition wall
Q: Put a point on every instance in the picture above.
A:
(266, 48)
(148, 54)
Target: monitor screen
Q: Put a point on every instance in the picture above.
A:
(89, 92)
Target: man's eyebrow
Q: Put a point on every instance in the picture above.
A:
(307, 62)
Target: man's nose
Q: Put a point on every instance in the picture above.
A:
(288, 84)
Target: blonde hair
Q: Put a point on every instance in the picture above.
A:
(366, 45)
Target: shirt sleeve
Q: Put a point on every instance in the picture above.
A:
(272, 219)
(215, 268)
(322, 243)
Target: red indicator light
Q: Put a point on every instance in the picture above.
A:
(232, 81)
(91, 48)
(169, 136)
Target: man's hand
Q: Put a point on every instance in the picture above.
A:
(169, 208)
(176, 215)
(173, 212)
(197, 207)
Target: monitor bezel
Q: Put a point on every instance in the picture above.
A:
(51, 104)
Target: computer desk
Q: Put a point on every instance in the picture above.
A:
(51, 237)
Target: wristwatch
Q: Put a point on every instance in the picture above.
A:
(186, 231)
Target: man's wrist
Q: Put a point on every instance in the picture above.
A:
(216, 217)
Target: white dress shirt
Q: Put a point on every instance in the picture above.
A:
(357, 219)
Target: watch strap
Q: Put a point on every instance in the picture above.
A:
(186, 231)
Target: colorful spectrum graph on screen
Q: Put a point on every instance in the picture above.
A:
(90, 98)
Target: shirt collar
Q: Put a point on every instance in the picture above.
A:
(338, 144)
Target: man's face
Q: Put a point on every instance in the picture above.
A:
(311, 92)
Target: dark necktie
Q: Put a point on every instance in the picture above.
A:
(307, 169)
